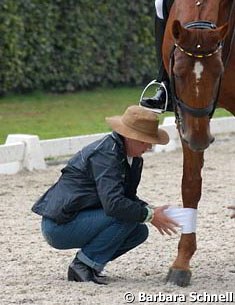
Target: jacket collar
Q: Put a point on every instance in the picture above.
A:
(118, 139)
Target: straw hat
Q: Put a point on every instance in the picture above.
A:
(140, 124)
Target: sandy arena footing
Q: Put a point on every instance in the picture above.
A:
(31, 272)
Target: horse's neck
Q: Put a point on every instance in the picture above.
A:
(229, 44)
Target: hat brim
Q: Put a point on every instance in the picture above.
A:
(117, 125)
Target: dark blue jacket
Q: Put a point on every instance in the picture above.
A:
(98, 176)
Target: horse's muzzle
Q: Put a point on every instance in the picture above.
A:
(196, 144)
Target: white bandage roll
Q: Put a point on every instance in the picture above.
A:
(159, 8)
(185, 217)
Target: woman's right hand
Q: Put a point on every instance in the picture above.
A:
(163, 223)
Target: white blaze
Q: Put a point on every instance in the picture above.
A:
(198, 69)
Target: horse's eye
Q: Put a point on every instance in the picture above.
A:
(178, 76)
(179, 72)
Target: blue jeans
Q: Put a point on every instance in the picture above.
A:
(101, 238)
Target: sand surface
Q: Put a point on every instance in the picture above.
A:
(31, 272)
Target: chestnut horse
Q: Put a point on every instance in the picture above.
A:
(199, 56)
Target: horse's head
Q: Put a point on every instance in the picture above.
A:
(196, 68)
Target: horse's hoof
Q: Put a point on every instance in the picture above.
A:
(179, 277)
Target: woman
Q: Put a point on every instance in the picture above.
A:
(94, 207)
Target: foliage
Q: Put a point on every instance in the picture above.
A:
(63, 46)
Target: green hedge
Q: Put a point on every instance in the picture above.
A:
(66, 45)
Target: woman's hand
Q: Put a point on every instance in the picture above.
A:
(163, 223)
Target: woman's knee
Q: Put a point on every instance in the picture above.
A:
(143, 232)
(48, 228)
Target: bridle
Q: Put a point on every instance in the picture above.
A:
(177, 102)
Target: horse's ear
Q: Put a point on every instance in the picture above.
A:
(223, 31)
(177, 29)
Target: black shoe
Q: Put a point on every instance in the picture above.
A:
(79, 272)
(158, 101)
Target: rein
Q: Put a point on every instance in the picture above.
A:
(195, 112)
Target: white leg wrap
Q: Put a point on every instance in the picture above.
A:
(185, 217)
(159, 8)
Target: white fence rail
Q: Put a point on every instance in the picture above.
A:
(28, 152)
(67, 146)
(12, 152)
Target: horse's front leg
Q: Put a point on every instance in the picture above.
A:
(180, 273)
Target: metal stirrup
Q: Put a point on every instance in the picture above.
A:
(157, 110)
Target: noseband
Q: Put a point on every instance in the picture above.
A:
(195, 112)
